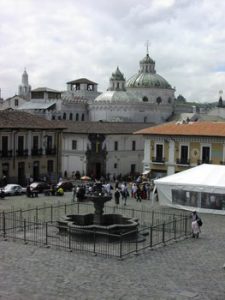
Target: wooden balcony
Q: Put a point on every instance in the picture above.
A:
(50, 151)
(183, 161)
(36, 151)
(22, 153)
(6, 153)
(158, 160)
(205, 161)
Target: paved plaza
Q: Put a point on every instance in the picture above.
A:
(189, 269)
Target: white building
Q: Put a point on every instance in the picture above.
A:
(102, 148)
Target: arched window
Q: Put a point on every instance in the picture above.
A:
(71, 116)
(77, 117)
(145, 99)
(64, 116)
(158, 100)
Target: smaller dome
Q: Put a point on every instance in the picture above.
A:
(147, 60)
(118, 96)
(117, 75)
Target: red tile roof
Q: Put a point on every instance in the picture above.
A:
(188, 129)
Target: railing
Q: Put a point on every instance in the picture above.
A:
(158, 160)
(6, 153)
(36, 151)
(23, 152)
(183, 161)
(204, 161)
(50, 151)
(39, 226)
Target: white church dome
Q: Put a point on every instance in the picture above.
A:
(117, 96)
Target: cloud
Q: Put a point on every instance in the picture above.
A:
(58, 41)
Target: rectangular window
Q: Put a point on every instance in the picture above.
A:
(74, 145)
(35, 142)
(133, 145)
(205, 154)
(159, 152)
(20, 143)
(49, 142)
(50, 166)
(132, 168)
(115, 146)
(184, 154)
(4, 144)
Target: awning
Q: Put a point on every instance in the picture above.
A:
(146, 172)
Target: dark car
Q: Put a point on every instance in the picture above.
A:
(39, 186)
(66, 185)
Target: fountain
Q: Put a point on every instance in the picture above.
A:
(97, 222)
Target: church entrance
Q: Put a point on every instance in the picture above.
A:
(98, 170)
(96, 156)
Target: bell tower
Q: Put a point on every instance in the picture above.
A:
(24, 90)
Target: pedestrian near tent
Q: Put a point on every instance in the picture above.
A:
(117, 197)
(196, 224)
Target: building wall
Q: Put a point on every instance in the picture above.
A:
(124, 157)
(172, 153)
(13, 157)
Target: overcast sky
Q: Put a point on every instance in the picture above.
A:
(62, 40)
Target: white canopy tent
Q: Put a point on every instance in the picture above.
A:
(201, 188)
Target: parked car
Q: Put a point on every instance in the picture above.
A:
(14, 189)
(66, 185)
(39, 186)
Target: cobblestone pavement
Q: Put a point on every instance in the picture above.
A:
(190, 269)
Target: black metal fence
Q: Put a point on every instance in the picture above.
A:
(39, 226)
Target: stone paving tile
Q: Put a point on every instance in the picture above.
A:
(189, 269)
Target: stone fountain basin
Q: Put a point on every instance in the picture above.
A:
(111, 223)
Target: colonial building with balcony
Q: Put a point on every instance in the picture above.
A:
(30, 146)
(174, 147)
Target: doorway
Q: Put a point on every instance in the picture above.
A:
(98, 170)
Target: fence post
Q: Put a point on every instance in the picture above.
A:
(69, 239)
(51, 213)
(21, 218)
(163, 233)
(185, 226)
(25, 231)
(151, 231)
(121, 250)
(3, 225)
(94, 241)
(175, 228)
(153, 218)
(36, 214)
(46, 233)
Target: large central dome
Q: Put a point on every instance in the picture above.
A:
(147, 76)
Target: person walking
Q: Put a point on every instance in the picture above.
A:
(195, 224)
(74, 193)
(117, 197)
(138, 194)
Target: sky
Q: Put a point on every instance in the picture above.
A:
(59, 41)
